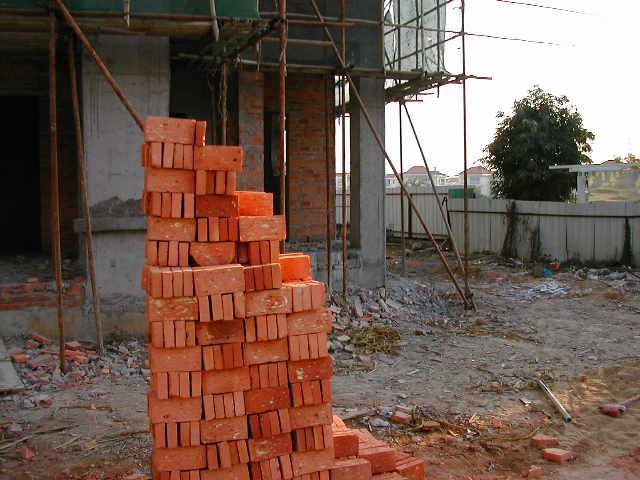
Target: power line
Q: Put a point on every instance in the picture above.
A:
(516, 39)
(537, 5)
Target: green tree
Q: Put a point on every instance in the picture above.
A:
(543, 130)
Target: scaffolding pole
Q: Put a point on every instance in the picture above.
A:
(88, 228)
(353, 89)
(282, 94)
(329, 116)
(467, 290)
(343, 117)
(56, 249)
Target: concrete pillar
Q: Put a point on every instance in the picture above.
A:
(115, 175)
(367, 186)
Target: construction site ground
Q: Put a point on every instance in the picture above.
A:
(473, 373)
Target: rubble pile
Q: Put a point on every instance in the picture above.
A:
(37, 361)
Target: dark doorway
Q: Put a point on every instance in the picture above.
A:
(19, 176)
(272, 156)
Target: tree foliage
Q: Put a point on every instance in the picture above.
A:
(542, 131)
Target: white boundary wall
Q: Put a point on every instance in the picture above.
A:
(590, 233)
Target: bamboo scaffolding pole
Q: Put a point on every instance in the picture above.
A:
(88, 228)
(282, 94)
(103, 68)
(353, 89)
(329, 116)
(343, 118)
(435, 192)
(467, 289)
(56, 249)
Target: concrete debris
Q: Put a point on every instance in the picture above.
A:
(378, 422)
(39, 367)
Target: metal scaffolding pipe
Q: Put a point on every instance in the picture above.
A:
(353, 89)
(88, 228)
(56, 249)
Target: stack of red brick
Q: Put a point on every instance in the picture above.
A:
(241, 374)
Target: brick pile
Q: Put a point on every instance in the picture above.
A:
(241, 373)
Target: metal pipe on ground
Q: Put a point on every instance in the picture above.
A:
(88, 229)
(56, 249)
(353, 89)
(103, 68)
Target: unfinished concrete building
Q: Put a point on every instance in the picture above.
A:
(172, 59)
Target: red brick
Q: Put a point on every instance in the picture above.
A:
(382, 457)
(315, 321)
(345, 443)
(155, 154)
(262, 228)
(182, 230)
(168, 150)
(558, 455)
(218, 279)
(181, 308)
(225, 381)
(265, 448)
(181, 458)
(268, 302)
(265, 399)
(216, 206)
(409, 467)
(239, 304)
(218, 157)
(400, 416)
(169, 180)
(309, 416)
(295, 266)
(351, 469)
(215, 333)
(311, 461)
(189, 205)
(255, 204)
(164, 129)
(266, 352)
(200, 133)
(544, 441)
(188, 157)
(305, 370)
(231, 183)
(236, 472)
(219, 183)
(209, 254)
(174, 409)
(220, 430)
(178, 155)
(173, 256)
(175, 359)
(176, 205)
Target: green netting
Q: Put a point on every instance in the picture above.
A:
(225, 8)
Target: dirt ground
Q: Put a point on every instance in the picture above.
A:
(474, 373)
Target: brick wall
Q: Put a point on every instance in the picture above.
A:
(309, 120)
(308, 123)
(251, 129)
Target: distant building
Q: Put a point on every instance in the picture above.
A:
(417, 176)
(478, 178)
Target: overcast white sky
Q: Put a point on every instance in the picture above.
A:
(597, 67)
